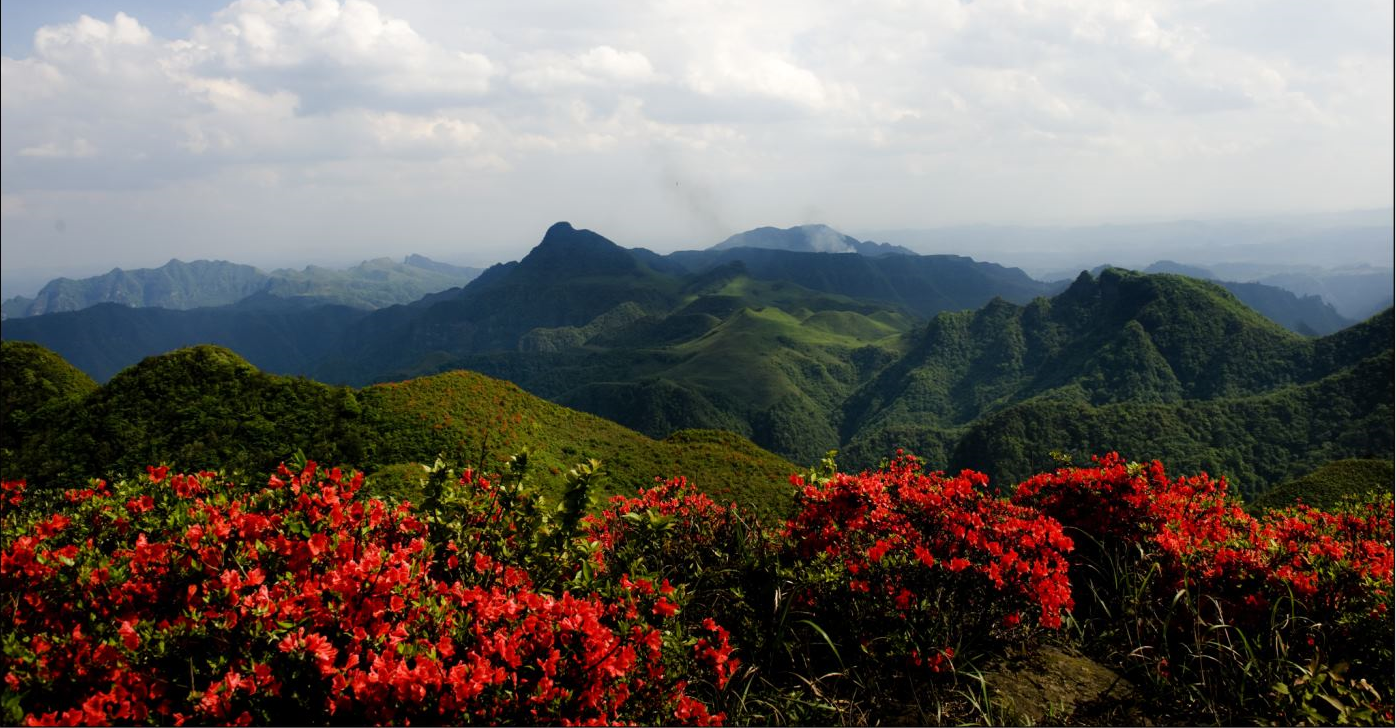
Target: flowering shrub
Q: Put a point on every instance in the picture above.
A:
(913, 564)
(707, 556)
(180, 598)
(1292, 584)
(187, 599)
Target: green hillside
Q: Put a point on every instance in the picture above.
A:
(205, 406)
(1154, 366)
(1124, 337)
(768, 360)
(192, 408)
(478, 420)
(1328, 486)
(35, 384)
(1255, 441)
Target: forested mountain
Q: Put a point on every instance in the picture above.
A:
(206, 283)
(1310, 315)
(960, 361)
(206, 407)
(1095, 367)
(575, 276)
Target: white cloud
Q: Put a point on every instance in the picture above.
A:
(605, 61)
(346, 49)
(549, 71)
(745, 72)
(722, 113)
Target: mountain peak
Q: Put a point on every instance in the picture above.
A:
(814, 238)
(559, 229)
(565, 248)
(802, 239)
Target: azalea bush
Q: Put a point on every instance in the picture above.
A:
(184, 598)
(916, 565)
(303, 598)
(1230, 612)
(714, 559)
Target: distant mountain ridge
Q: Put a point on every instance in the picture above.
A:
(201, 283)
(808, 239)
(573, 276)
(1308, 314)
(176, 285)
(1353, 292)
(280, 335)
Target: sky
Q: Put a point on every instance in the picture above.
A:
(135, 131)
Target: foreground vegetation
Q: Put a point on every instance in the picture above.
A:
(314, 596)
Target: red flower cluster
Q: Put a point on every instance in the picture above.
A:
(916, 546)
(1299, 585)
(678, 534)
(671, 504)
(188, 600)
(1205, 541)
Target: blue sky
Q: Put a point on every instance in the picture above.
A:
(269, 132)
(168, 19)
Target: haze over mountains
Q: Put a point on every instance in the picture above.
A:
(203, 283)
(965, 362)
(1231, 247)
(808, 239)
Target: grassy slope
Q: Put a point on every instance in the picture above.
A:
(1331, 483)
(205, 407)
(481, 421)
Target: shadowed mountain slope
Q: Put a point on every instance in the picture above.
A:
(205, 406)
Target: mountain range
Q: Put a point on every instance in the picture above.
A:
(1353, 292)
(964, 362)
(207, 283)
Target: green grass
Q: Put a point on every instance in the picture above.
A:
(1333, 483)
(480, 421)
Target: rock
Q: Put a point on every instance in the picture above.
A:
(1053, 686)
